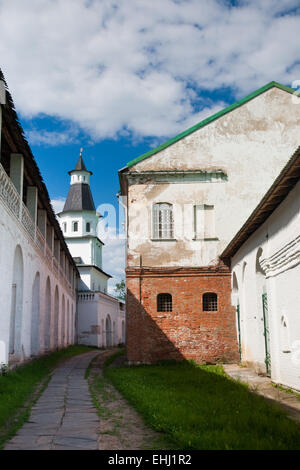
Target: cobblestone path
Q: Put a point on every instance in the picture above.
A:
(64, 417)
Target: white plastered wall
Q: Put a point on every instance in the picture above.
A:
(250, 145)
(279, 238)
(93, 310)
(11, 235)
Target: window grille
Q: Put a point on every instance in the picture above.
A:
(164, 303)
(163, 223)
(210, 302)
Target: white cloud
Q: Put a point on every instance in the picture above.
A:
(113, 258)
(50, 139)
(58, 204)
(113, 67)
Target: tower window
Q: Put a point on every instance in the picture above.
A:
(164, 303)
(163, 221)
(65, 226)
(75, 226)
(88, 227)
(210, 302)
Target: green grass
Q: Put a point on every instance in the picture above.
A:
(18, 389)
(199, 407)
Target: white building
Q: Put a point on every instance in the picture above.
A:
(185, 200)
(265, 263)
(37, 273)
(101, 317)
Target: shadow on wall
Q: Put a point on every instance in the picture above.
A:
(146, 342)
(180, 334)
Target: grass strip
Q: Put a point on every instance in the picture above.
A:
(21, 387)
(199, 407)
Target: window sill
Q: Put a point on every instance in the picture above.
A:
(206, 239)
(163, 239)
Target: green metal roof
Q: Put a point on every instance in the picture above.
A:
(211, 119)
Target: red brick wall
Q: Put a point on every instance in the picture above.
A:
(187, 332)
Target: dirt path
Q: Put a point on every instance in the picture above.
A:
(121, 427)
(73, 413)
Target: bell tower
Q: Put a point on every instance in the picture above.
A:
(79, 221)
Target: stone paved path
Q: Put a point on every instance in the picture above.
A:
(64, 417)
(263, 386)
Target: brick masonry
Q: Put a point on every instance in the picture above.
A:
(187, 332)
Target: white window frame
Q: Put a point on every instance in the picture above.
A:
(162, 221)
(73, 225)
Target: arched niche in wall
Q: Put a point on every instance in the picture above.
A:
(35, 316)
(235, 290)
(16, 314)
(108, 331)
(68, 323)
(123, 331)
(47, 319)
(62, 323)
(56, 318)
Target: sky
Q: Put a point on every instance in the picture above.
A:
(119, 77)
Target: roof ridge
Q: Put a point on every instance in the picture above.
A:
(210, 119)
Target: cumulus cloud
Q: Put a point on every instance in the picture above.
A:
(117, 67)
(58, 204)
(52, 138)
(113, 258)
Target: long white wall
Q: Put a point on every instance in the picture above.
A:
(276, 247)
(101, 321)
(43, 304)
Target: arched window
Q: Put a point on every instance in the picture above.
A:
(164, 303)
(88, 227)
(163, 223)
(75, 226)
(210, 302)
(65, 226)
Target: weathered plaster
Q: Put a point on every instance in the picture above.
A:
(250, 145)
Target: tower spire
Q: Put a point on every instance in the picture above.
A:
(79, 196)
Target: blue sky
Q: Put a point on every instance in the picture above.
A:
(119, 77)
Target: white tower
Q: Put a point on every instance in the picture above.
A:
(79, 220)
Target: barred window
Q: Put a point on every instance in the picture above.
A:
(164, 303)
(163, 223)
(210, 302)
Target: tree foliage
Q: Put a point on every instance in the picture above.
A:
(120, 290)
